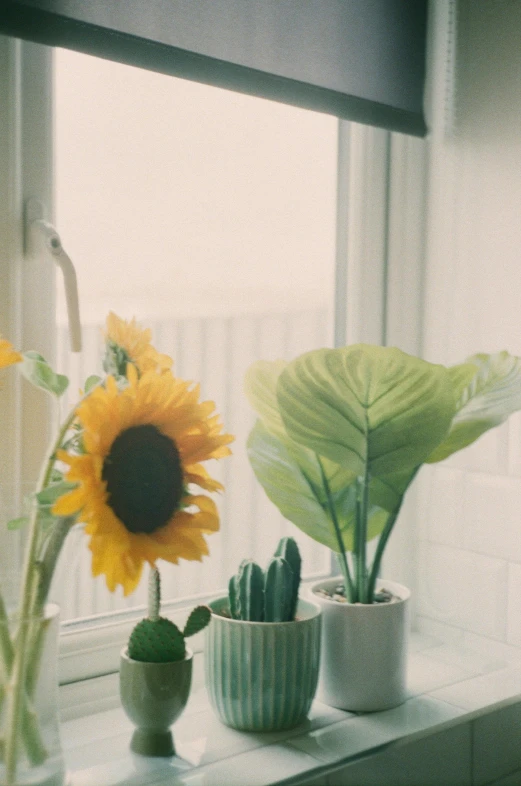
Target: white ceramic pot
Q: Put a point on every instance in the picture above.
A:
(363, 662)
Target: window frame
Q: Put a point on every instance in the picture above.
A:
(379, 235)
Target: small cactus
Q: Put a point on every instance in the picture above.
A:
(156, 639)
(269, 596)
(198, 620)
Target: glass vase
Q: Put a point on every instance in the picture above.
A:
(30, 746)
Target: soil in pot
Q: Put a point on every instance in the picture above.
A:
(338, 593)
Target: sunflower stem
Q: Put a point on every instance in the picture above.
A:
(154, 594)
(30, 732)
(29, 596)
(50, 557)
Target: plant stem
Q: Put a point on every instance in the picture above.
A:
(6, 647)
(348, 582)
(384, 537)
(28, 597)
(362, 495)
(380, 548)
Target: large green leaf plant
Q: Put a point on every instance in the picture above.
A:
(341, 434)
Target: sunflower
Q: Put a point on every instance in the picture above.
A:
(127, 343)
(144, 445)
(8, 356)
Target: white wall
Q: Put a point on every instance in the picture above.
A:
(469, 536)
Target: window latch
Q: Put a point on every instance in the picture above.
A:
(50, 240)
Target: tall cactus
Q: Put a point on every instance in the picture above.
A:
(278, 591)
(251, 592)
(233, 597)
(269, 596)
(288, 550)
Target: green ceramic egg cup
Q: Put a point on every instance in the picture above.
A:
(153, 696)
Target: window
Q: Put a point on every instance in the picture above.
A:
(210, 217)
(271, 220)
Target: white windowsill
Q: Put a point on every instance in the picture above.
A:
(448, 686)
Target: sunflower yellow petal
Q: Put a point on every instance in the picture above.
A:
(8, 356)
(189, 545)
(197, 474)
(69, 503)
(153, 397)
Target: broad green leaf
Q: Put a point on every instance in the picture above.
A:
(300, 501)
(488, 391)
(261, 390)
(387, 491)
(366, 407)
(286, 486)
(338, 478)
(461, 376)
(260, 386)
(39, 373)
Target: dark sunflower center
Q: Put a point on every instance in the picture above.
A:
(144, 478)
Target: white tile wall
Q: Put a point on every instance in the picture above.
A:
(463, 589)
(490, 452)
(514, 454)
(491, 518)
(442, 514)
(468, 580)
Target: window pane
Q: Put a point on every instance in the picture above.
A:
(210, 217)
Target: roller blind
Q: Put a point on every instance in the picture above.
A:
(362, 60)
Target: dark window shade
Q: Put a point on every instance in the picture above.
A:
(362, 60)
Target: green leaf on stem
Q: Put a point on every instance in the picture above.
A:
(286, 485)
(18, 523)
(39, 373)
(92, 382)
(49, 495)
(74, 444)
(301, 497)
(260, 385)
(261, 390)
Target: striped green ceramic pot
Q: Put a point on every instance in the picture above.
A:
(262, 676)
